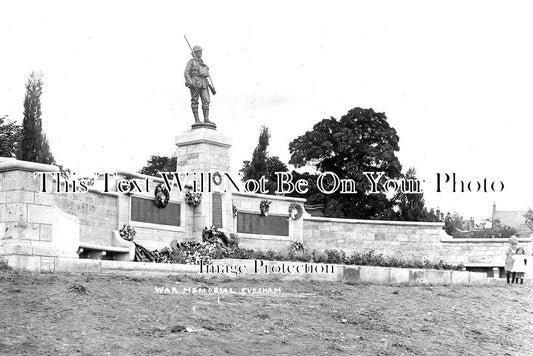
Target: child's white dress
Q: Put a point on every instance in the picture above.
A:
(519, 263)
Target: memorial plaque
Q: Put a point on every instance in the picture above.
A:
(248, 223)
(217, 210)
(145, 210)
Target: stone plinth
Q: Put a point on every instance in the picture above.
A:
(200, 152)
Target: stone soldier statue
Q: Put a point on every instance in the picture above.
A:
(196, 79)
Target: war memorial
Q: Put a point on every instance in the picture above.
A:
(48, 223)
(190, 257)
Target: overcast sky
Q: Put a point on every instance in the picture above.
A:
(453, 77)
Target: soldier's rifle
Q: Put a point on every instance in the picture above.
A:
(210, 80)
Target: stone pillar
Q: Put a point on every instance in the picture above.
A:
(34, 232)
(202, 152)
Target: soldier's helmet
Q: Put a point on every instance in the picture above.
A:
(197, 48)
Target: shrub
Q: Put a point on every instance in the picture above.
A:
(216, 244)
(335, 256)
(4, 266)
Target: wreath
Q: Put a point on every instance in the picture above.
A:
(217, 178)
(193, 198)
(162, 196)
(127, 232)
(295, 211)
(264, 207)
(130, 177)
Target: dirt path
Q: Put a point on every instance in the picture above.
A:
(48, 314)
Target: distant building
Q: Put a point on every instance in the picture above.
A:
(514, 219)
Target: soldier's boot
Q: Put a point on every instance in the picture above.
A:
(206, 115)
(195, 113)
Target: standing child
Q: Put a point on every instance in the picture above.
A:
(513, 241)
(519, 265)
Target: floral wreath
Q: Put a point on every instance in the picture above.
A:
(295, 211)
(129, 177)
(193, 198)
(217, 178)
(162, 196)
(264, 207)
(235, 211)
(127, 232)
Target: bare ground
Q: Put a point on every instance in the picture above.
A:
(90, 314)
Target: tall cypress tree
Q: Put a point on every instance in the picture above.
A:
(33, 145)
(258, 166)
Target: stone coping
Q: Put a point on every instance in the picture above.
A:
(16, 165)
(475, 240)
(202, 135)
(269, 197)
(373, 222)
(99, 191)
(140, 176)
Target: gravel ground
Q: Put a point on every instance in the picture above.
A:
(91, 314)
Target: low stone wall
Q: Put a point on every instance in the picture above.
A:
(98, 214)
(391, 238)
(45, 225)
(102, 212)
(487, 255)
(321, 272)
(410, 240)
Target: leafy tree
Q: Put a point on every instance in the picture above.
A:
(263, 165)
(455, 226)
(410, 206)
(361, 141)
(33, 145)
(453, 223)
(158, 164)
(257, 168)
(9, 137)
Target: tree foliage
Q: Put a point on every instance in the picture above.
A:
(453, 223)
(411, 206)
(157, 164)
(257, 167)
(33, 145)
(361, 141)
(455, 226)
(9, 137)
(262, 164)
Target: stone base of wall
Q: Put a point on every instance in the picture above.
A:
(332, 273)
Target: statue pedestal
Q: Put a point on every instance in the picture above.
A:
(206, 125)
(203, 151)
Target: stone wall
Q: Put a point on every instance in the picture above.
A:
(417, 240)
(112, 210)
(33, 231)
(249, 203)
(414, 240)
(410, 240)
(46, 225)
(481, 252)
(97, 212)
